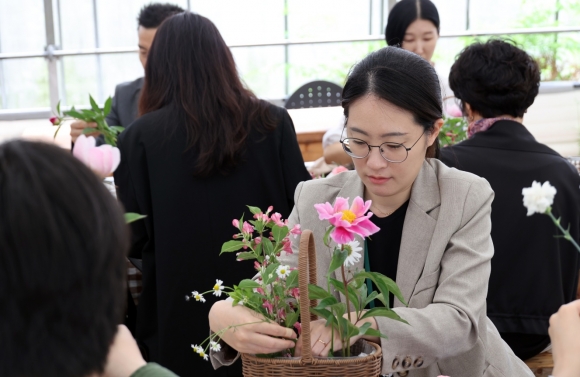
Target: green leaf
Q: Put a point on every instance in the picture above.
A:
(326, 314)
(327, 301)
(352, 293)
(326, 238)
(383, 312)
(254, 210)
(279, 232)
(373, 332)
(363, 329)
(291, 318)
(248, 283)
(370, 298)
(94, 104)
(131, 216)
(232, 245)
(267, 246)
(89, 130)
(89, 114)
(383, 283)
(75, 114)
(351, 329)
(108, 106)
(338, 258)
(117, 129)
(317, 293)
(270, 274)
(292, 280)
(246, 256)
(58, 109)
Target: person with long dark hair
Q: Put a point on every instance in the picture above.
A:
(533, 272)
(203, 148)
(434, 237)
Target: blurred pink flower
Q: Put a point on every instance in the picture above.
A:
(298, 327)
(454, 111)
(103, 160)
(247, 228)
(347, 221)
(295, 231)
(236, 223)
(277, 219)
(337, 170)
(268, 305)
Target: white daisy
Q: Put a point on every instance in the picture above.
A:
(353, 249)
(197, 296)
(218, 288)
(283, 271)
(196, 348)
(203, 354)
(214, 346)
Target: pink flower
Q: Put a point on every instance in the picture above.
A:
(103, 160)
(269, 307)
(454, 111)
(295, 292)
(337, 170)
(277, 219)
(55, 121)
(281, 313)
(247, 228)
(258, 240)
(287, 245)
(236, 223)
(269, 209)
(295, 231)
(298, 327)
(347, 222)
(260, 291)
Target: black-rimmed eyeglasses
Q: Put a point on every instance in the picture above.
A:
(392, 152)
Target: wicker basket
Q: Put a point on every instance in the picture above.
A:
(366, 366)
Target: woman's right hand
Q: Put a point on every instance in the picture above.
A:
(255, 338)
(565, 335)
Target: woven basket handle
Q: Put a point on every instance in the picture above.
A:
(306, 274)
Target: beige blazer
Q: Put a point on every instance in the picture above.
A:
(443, 272)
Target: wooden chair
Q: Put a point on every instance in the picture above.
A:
(542, 364)
(315, 94)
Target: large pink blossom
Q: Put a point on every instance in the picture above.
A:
(347, 221)
(103, 160)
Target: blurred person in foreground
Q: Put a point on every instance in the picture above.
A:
(413, 25)
(565, 335)
(203, 148)
(63, 241)
(533, 272)
(126, 98)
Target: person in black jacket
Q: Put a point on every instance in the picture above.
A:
(203, 148)
(533, 271)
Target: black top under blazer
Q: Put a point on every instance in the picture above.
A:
(532, 271)
(188, 219)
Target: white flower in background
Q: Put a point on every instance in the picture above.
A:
(353, 248)
(214, 346)
(218, 288)
(283, 271)
(197, 296)
(538, 198)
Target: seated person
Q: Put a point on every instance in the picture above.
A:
(63, 242)
(533, 272)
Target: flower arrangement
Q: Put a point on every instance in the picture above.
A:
(94, 115)
(539, 199)
(454, 127)
(345, 224)
(274, 291)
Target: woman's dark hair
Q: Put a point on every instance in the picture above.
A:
(191, 68)
(495, 78)
(403, 14)
(63, 242)
(152, 15)
(402, 78)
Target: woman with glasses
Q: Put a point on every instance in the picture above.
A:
(533, 272)
(203, 148)
(434, 239)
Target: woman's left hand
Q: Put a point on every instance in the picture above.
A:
(321, 339)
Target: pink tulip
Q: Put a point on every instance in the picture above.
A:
(103, 160)
(454, 111)
(347, 222)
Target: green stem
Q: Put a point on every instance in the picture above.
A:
(347, 307)
(566, 233)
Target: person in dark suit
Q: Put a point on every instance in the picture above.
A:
(126, 98)
(533, 271)
(203, 148)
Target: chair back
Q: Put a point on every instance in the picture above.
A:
(315, 94)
